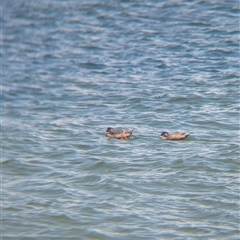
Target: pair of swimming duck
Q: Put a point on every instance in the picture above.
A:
(127, 134)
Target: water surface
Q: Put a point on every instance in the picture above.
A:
(73, 68)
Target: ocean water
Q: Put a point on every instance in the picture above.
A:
(70, 69)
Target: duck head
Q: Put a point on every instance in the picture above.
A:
(165, 134)
(110, 130)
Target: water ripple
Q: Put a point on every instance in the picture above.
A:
(73, 68)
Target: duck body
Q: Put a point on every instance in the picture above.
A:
(174, 136)
(118, 135)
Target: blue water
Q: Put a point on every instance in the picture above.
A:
(70, 69)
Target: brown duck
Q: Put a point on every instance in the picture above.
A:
(174, 136)
(118, 135)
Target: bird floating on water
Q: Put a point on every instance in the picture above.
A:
(174, 136)
(118, 135)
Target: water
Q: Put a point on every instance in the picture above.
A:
(73, 68)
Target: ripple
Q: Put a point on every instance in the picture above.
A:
(68, 75)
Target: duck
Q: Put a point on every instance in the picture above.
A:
(118, 135)
(174, 136)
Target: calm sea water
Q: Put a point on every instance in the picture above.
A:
(73, 68)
